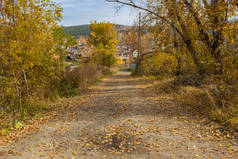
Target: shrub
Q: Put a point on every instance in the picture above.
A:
(104, 70)
(188, 80)
(104, 57)
(226, 95)
(166, 86)
(104, 40)
(234, 123)
(158, 64)
(79, 77)
(218, 115)
(234, 111)
(230, 69)
(219, 103)
(197, 99)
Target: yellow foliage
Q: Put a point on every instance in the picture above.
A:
(218, 115)
(104, 35)
(234, 122)
(31, 50)
(120, 61)
(104, 40)
(158, 64)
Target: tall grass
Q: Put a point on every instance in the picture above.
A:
(218, 102)
(73, 82)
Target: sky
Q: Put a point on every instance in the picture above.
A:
(78, 12)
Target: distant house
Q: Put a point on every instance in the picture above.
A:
(81, 46)
(123, 59)
(74, 53)
(135, 54)
(70, 58)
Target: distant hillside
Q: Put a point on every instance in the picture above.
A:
(83, 30)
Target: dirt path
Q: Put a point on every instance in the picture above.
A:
(124, 119)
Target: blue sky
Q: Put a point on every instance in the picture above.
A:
(77, 12)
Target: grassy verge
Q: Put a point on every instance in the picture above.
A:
(206, 98)
(75, 82)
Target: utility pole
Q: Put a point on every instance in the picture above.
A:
(138, 60)
(139, 35)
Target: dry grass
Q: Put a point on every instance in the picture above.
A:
(195, 98)
(217, 102)
(72, 83)
(78, 79)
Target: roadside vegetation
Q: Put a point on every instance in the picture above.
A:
(192, 55)
(33, 71)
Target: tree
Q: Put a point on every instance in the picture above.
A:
(104, 40)
(31, 50)
(197, 23)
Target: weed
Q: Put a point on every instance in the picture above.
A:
(218, 115)
(234, 123)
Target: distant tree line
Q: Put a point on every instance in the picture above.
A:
(84, 30)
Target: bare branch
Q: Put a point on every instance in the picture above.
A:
(164, 19)
(202, 33)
